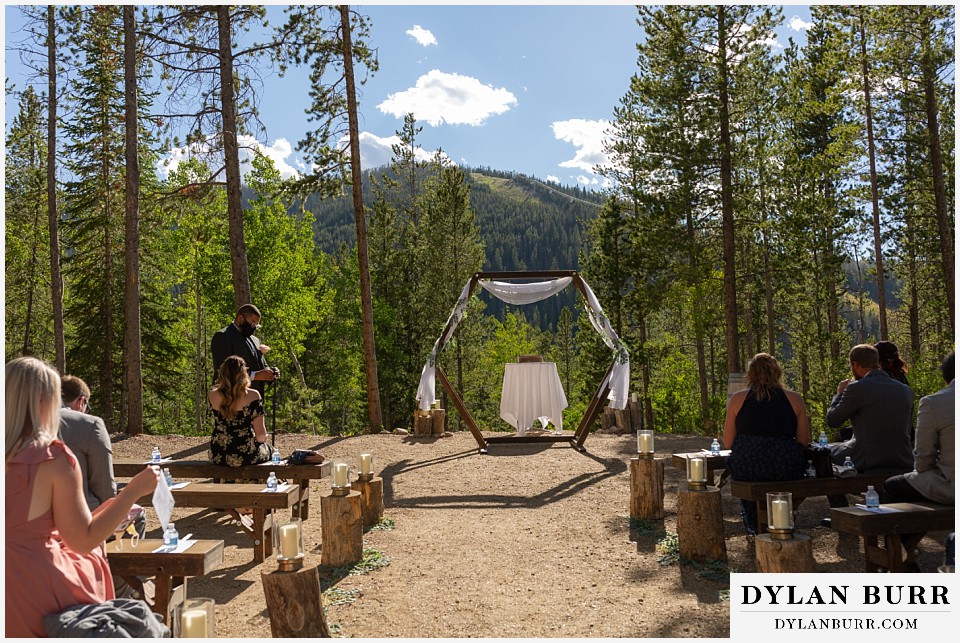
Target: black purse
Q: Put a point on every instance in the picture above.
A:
(305, 456)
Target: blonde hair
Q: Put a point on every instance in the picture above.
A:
(32, 403)
(232, 382)
(763, 375)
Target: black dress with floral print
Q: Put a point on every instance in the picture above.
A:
(233, 442)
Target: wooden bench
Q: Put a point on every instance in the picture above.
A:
(203, 469)
(169, 569)
(230, 497)
(901, 530)
(802, 489)
(714, 462)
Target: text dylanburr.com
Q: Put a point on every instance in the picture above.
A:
(867, 607)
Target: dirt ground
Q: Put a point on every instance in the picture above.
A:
(531, 540)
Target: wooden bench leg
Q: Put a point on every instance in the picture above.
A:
(163, 585)
(262, 534)
(302, 507)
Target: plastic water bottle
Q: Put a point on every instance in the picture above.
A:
(871, 499)
(811, 470)
(823, 441)
(715, 447)
(155, 455)
(168, 476)
(272, 482)
(170, 535)
(275, 458)
(848, 465)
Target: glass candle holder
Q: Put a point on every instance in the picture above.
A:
(696, 473)
(645, 442)
(194, 619)
(288, 543)
(366, 466)
(780, 513)
(340, 479)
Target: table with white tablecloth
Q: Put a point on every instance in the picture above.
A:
(532, 391)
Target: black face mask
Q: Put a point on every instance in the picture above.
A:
(247, 329)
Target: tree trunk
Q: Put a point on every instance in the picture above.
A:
(874, 198)
(936, 167)
(726, 202)
(132, 365)
(231, 154)
(32, 280)
(56, 281)
(366, 298)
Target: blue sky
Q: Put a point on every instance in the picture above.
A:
(521, 88)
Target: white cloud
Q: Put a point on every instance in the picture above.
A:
(278, 152)
(553, 179)
(440, 98)
(798, 24)
(423, 36)
(587, 137)
(771, 41)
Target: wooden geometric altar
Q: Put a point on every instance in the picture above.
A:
(593, 409)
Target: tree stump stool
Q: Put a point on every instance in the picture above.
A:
(785, 556)
(646, 488)
(341, 529)
(439, 417)
(295, 603)
(700, 524)
(371, 500)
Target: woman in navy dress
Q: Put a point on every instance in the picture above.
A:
(766, 428)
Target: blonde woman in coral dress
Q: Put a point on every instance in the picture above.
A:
(54, 553)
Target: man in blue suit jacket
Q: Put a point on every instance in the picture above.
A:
(238, 339)
(881, 411)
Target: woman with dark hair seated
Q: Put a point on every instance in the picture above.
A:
(766, 428)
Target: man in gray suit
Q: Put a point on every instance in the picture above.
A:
(881, 411)
(932, 479)
(87, 437)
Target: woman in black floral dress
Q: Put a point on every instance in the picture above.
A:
(239, 430)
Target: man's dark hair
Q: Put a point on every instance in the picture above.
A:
(946, 368)
(865, 355)
(72, 388)
(249, 309)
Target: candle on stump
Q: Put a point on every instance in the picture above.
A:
(289, 540)
(780, 519)
(645, 441)
(193, 624)
(633, 398)
(340, 470)
(697, 471)
(366, 463)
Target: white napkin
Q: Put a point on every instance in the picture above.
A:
(180, 547)
(163, 501)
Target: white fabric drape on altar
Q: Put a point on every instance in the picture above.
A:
(619, 380)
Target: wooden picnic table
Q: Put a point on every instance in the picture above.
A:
(902, 530)
(802, 489)
(170, 570)
(203, 469)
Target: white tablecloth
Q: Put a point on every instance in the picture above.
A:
(532, 390)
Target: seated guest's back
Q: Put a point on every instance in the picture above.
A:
(87, 437)
(53, 545)
(239, 430)
(880, 409)
(933, 476)
(767, 428)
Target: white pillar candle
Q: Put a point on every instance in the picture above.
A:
(340, 474)
(696, 470)
(289, 540)
(646, 443)
(193, 624)
(633, 398)
(781, 514)
(366, 463)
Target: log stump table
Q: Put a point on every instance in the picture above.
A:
(295, 603)
(793, 555)
(341, 529)
(700, 524)
(646, 488)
